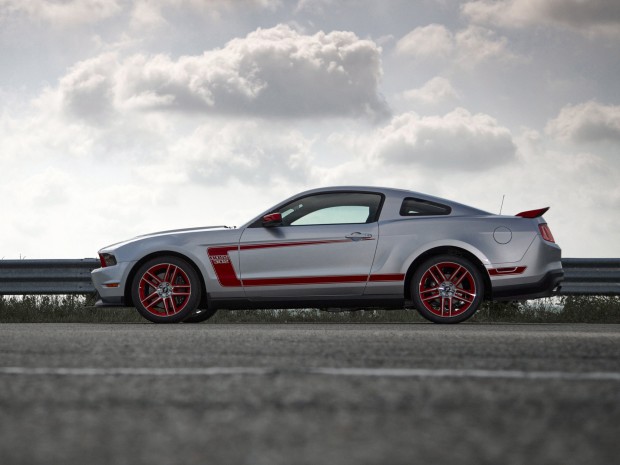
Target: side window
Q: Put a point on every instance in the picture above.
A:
(335, 215)
(419, 207)
(332, 208)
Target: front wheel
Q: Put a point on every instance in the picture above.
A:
(447, 289)
(166, 290)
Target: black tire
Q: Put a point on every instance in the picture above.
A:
(200, 315)
(447, 289)
(166, 289)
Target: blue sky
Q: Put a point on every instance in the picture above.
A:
(121, 117)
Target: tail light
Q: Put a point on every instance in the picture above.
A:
(545, 232)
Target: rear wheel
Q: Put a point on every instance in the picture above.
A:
(166, 290)
(447, 289)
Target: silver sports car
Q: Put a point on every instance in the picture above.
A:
(339, 247)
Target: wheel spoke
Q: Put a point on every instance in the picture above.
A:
(465, 296)
(171, 272)
(432, 289)
(168, 304)
(181, 289)
(174, 304)
(436, 274)
(455, 279)
(443, 305)
(433, 296)
(150, 304)
(155, 281)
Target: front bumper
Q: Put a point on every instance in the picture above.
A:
(110, 283)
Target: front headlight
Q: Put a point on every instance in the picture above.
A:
(107, 259)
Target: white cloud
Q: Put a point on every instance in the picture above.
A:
(587, 122)
(570, 181)
(437, 90)
(477, 44)
(274, 72)
(589, 17)
(87, 90)
(431, 41)
(250, 152)
(144, 13)
(39, 135)
(458, 140)
(313, 6)
(159, 135)
(62, 13)
(467, 47)
(137, 176)
(152, 13)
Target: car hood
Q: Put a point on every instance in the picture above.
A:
(162, 234)
(177, 231)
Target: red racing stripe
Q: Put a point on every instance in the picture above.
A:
(224, 270)
(290, 244)
(305, 280)
(227, 277)
(386, 277)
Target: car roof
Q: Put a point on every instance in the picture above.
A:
(399, 193)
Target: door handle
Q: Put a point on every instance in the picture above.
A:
(358, 236)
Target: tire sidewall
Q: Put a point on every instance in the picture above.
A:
(194, 298)
(471, 268)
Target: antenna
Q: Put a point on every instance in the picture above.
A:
(502, 205)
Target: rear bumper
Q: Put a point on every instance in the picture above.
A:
(548, 286)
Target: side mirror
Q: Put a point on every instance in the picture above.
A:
(272, 219)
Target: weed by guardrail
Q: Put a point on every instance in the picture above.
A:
(564, 309)
(80, 309)
(61, 309)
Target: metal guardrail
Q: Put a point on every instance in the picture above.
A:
(29, 277)
(583, 276)
(591, 276)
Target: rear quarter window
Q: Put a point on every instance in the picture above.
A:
(420, 207)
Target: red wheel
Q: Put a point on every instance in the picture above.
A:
(447, 289)
(166, 290)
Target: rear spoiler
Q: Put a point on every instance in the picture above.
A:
(533, 213)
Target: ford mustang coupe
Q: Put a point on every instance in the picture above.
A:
(339, 247)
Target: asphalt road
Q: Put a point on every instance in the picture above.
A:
(309, 394)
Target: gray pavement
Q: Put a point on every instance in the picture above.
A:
(315, 393)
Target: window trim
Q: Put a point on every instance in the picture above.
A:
(258, 223)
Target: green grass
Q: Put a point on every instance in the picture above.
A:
(80, 309)
(61, 309)
(565, 309)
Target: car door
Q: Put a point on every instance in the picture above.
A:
(320, 245)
